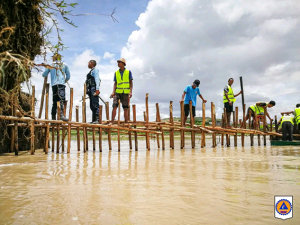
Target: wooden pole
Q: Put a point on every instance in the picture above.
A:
(236, 124)
(12, 139)
(109, 130)
(86, 134)
(182, 121)
(147, 121)
(214, 141)
(94, 139)
(78, 132)
(32, 145)
(203, 125)
(42, 98)
(135, 133)
(47, 117)
(16, 145)
(242, 89)
(265, 126)
(161, 129)
(100, 129)
(172, 123)
(225, 122)
(129, 133)
(70, 118)
(192, 124)
(244, 125)
(271, 128)
(258, 128)
(276, 126)
(83, 121)
(223, 125)
(119, 143)
(157, 136)
(250, 127)
(63, 129)
(58, 128)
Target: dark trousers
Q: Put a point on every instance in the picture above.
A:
(287, 129)
(59, 94)
(94, 104)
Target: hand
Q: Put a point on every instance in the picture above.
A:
(97, 93)
(230, 103)
(130, 95)
(204, 101)
(240, 92)
(112, 95)
(180, 101)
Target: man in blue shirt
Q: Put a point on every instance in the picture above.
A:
(60, 74)
(92, 90)
(190, 94)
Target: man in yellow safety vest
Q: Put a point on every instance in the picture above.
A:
(297, 116)
(122, 89)
(287, 125)
(258, 109)
(229, 99)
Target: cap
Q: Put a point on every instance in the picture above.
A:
(197, 83)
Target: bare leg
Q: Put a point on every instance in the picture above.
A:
(113, 114)
(126, 115)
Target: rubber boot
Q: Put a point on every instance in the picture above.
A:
(96, 121)
(62, 117)
(93, 118)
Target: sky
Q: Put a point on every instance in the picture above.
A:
(167, 44)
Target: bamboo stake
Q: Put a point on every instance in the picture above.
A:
(47, 117)
(244, 125)
(42, 98)
(172, 122)
(161, 129)
(203, 125)
(265, 126)
(222, 135)
(32, 144)
(192, 124)
(58, 128)
(63, 128)
(16, 145)
(251, 135)
(135, 133)
(236, 124)
(70, 118)
(182, 121)
(83, 121)
(109, 131)
(119, 125)
(78, 132)
(12, 139)
(147, 120)
(129, 133)
(100, 129)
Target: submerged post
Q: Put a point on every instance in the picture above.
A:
(78, 131)
(203, 125)
(47, 117)
(182, 122)
(135, 133)
(32, 137)
(192, 124)
(70, 119)
(161, 129)
(100, 129)
(172, 124)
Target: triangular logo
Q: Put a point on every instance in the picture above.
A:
(283, 206)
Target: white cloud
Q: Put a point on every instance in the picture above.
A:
(108, 55)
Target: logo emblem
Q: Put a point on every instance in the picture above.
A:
(283, 207)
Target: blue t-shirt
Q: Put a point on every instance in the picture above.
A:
(191, 95)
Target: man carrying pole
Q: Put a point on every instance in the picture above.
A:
(229, 99)
(92, 90)
(122, 89)
(190, 94)
(60, 74)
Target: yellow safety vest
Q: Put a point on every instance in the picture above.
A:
(230, 95)
(297, 115)
(258, 109)
(123, 86)
(287, 118)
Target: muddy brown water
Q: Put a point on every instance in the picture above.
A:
(181, 186)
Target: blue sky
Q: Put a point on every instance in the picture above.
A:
(168, 44)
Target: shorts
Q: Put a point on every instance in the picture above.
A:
(187, 110)
(124, 99)
(252, 112)
(229, 108)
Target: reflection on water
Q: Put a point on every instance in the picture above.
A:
(181, 186)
